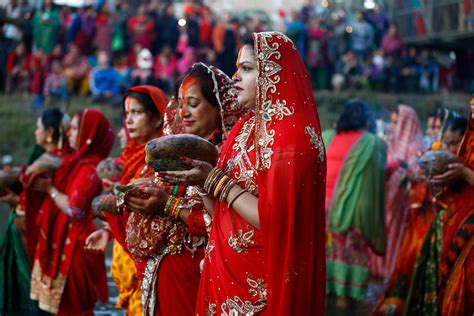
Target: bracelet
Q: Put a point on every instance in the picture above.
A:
(235, 197)
(54, 193)
(226, 190)
(213, 185)
(212, 179)
(175, 209)
(169, 203)
(219, 185)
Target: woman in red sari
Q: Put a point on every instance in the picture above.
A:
(266, 247)
(206, 107)
(442, 279)
(143, 109)
(18, 245)
(421, 213)
(66, 280)
(404, 141)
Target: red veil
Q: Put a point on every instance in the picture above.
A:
(59, 254)
(288, 169)
(292, 171)
(133, 159)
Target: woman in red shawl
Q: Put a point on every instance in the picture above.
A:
(18, 244)
(442, 279)
(206, 107)
(65, 278)
(143, 109)
(266, 246)
(404, 140)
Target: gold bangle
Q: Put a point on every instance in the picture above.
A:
(226, 190)
(215, 181)
(210, 178)
(235, 197)
(219, 185)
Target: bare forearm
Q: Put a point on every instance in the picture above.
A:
(246, 205)
(60, 199)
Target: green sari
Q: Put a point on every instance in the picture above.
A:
(355, 215)
(15, 274)
(422, 297)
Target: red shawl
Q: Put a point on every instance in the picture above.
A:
(289, 168)
(456, 295)
(60, 234)
(133, 160)
(95, 140)
(292, 172)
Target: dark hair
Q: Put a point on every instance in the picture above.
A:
(355, 116)
(201, 73)
(456, 124)
(248, 40)
(145, 100)
(52, 118)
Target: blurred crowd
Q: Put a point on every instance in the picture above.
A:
(55, 51)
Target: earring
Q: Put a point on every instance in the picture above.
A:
(49, 139)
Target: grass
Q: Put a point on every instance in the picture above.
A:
(18, 120)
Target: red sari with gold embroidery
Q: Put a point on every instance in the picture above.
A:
(171, 278)
(127, 273)
(65, 278)
(278, 155)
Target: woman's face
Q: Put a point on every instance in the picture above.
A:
(41, 134)
(199, 116)
(73, 131)
(452, 140)
(433, 125)
(141, 127)
(245, 78)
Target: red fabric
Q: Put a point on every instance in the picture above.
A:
(283, 262)
(341, 146)
(143, 38)
(133, 161)
(177, 283)
(458, 228)
(12, 60)
(466, 150)
(60, 234)
(30, 203)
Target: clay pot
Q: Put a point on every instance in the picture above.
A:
(104, 203)
(434, 162)
(109, 169)
(164, 153)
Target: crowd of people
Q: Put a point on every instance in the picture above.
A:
(54, 52)
(290, 218)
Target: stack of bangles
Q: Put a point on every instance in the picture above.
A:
(219, 185)
(172, 208)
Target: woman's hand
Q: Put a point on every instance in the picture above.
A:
(195, 176)
(151, 201)
(9, 197)
(43, 184)
(98, 241)
(455, 171)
